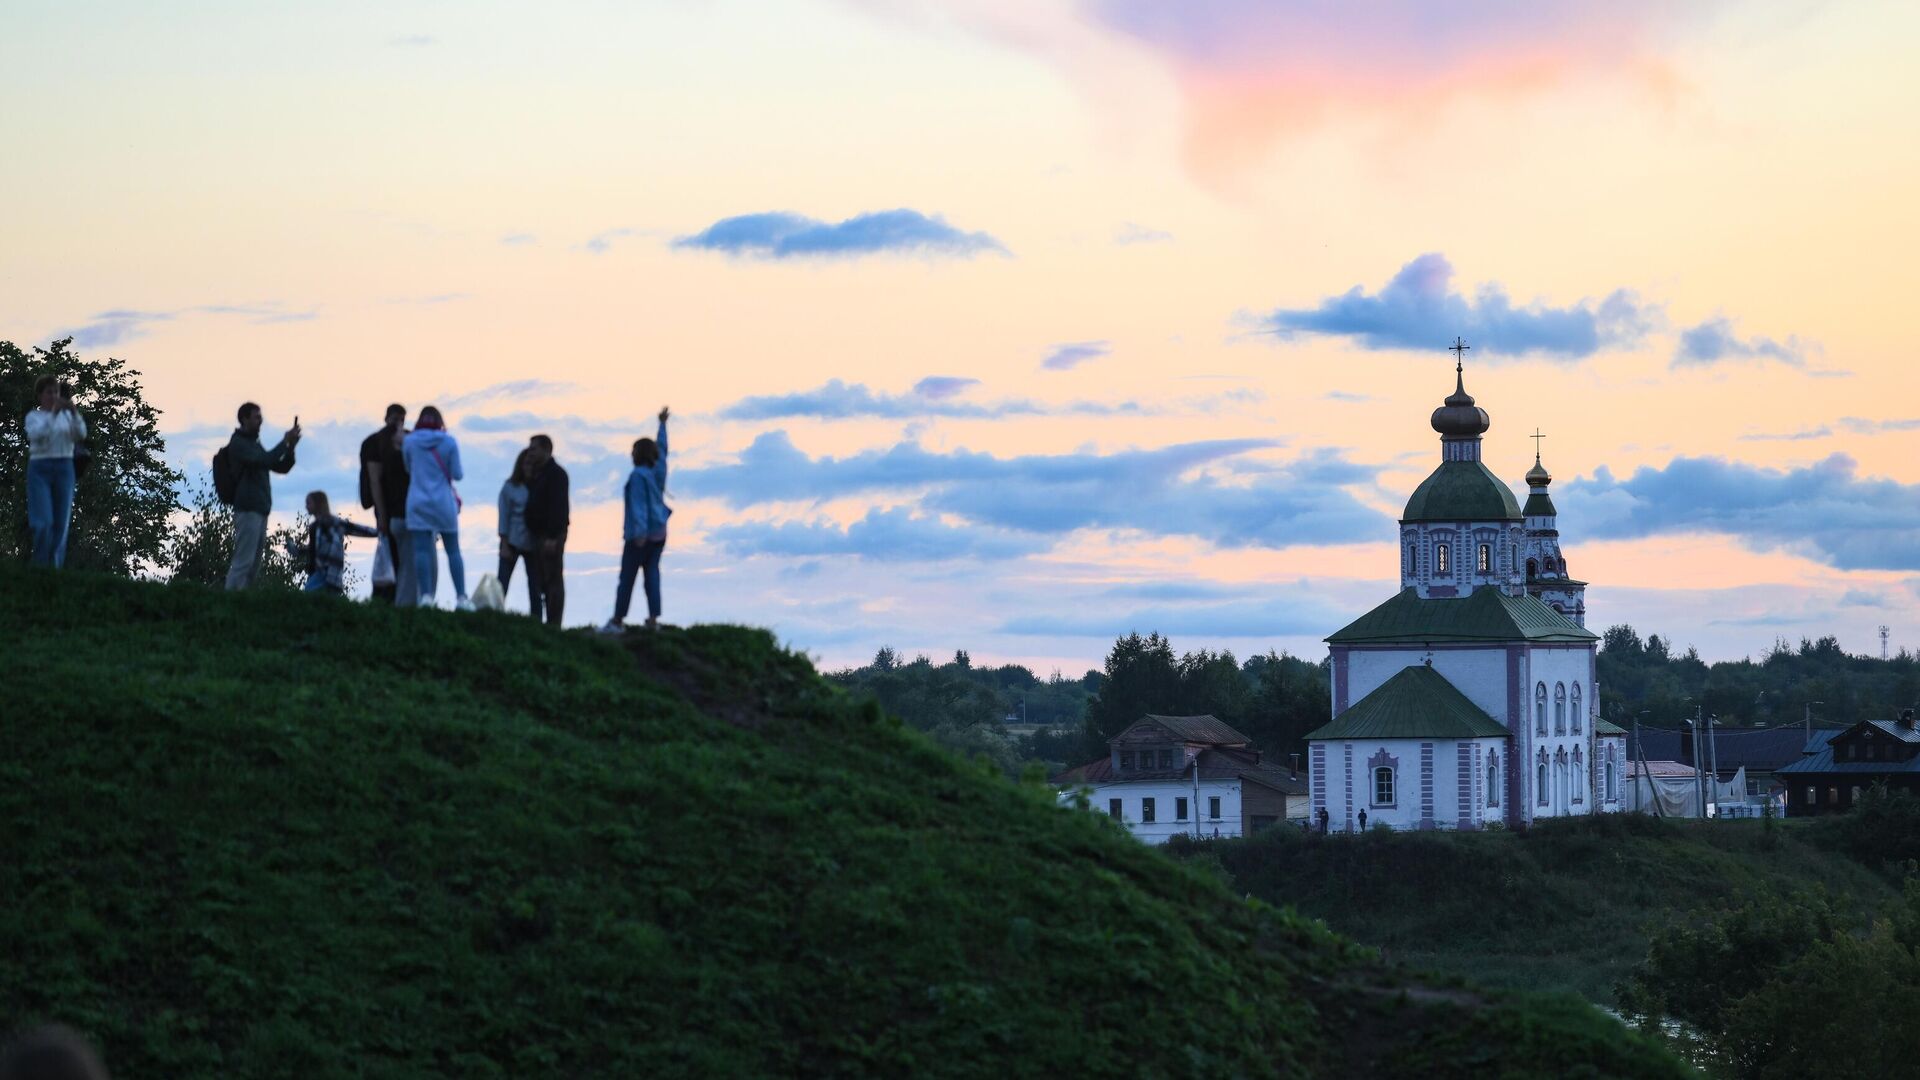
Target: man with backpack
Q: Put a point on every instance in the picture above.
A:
(241, 480)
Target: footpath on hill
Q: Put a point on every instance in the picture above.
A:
(271, 835)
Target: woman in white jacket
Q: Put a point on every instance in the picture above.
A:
(54, 428)
(433, 504)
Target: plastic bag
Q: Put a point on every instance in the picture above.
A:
(383, 563)
(488, 595)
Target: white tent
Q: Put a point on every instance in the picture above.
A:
(1670, 789)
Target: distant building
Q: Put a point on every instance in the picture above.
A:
(1468, 698)
(1839, 766)
(1762, 752)
(1167, 776)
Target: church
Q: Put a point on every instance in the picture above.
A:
(1469, 698)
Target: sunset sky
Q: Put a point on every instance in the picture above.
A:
(1013, 325)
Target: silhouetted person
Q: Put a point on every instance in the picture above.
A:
(516, 543)
(54, 428)
(645, 531)
(1363, 821)
(1326, 821)
(549, 511)
(433, 505)
(253, 490)
(50, 1053)
(326, 547)
(383, 490)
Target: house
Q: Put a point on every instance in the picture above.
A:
(1167, 776)
(1838, 766)
(1760, 751)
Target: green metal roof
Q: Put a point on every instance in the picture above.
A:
(1540, 505)
(1486, 614)
(1462, 491)
(1418, 703)
(1604, 727)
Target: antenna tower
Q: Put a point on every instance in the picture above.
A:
(1883, 643)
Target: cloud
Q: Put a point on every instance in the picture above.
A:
(1257, 619)
(1131, 233)
(1165, 492)
(601, 242)
(1069, 355)
(1342, 395)
(1857, 425)
(940, 387)
(1863, 598)
(118, 325)
(883, 535)
(1714, 341)
(517, 388)
(519, 239)
(1862, 426)
(1822, 511)
(787, 236)
(1418, 309)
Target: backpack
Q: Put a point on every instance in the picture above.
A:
(226, 477)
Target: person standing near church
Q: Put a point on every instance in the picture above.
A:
(383, 490)
(549, 511)
(253, 490)
(54, 428)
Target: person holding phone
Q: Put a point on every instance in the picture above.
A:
(253, 493)
(54, 428)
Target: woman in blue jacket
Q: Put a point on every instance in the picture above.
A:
(433, 504)
(645, 530)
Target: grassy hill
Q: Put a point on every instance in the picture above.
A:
(1565, 905)
(274, 835)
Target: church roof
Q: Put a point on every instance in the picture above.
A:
(1607, 727)
(1418, 703)
(1539, 504)
(1462, 491)
(1486, 614)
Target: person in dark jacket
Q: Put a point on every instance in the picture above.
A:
(253, 494)
(383, 490)
(549, 510)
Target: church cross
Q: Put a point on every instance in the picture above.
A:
(1536, 437)
(1459, 350)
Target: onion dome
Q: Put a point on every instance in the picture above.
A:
(1460, 418)
(1538, 476)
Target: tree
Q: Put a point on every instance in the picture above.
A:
(1141, 677)
(886, 659)
(123, 505)
(199, 551)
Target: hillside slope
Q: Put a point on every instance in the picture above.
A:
(275, 835)
(1564, 905)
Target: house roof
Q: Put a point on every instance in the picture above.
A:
(1659, 768)
(1754, 749)
(1194, 729)
(1820, 753)
(1462, 491)
(1215, 764)
(1417, 703)
(1486, 614)
(1606, 727)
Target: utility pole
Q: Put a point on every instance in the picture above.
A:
(1699, 778)
(1713, 752)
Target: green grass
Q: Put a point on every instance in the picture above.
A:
(1564, 905)
(273, 835)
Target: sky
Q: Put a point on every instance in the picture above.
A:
(1015, 325)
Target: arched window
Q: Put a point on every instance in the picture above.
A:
(1533, 569)
(1540, 709)
(1542, 797)
(1576, 708)
(1441, 563)
(1383, 786)
(1559, 708)
(1611, 796)
(1549, 564)
(1486, 558)
(1493, 779)
(1413, 561)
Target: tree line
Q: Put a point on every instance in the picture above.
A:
(1776, 689)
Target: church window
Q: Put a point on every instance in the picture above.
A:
(1493, 780)
(1383, 786)
(1486, 558)
(1213, 807)
(1576, 708)
(1440, 561)
(1113, 809)
(1549, 564)
(1179, 809)
(1610, 781)
(1559, 708)
(1542, 798)
(1579, 777)
(1533, 569)
(1540, 709)
(1146, 811)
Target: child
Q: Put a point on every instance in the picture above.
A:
(327, 546)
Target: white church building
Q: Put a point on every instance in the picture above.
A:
(1469, 697)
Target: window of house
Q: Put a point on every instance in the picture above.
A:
(1113, 809)
(1213, 807)
(1540, 709)
(1166, 758)
(1543, 784)
(1441, 563)
(1576, 708)
(1609, 788)
(1811, 798)
(1486, 558)
(1179, 809)
(1559, 708)
(1383, 786)
(1126, 760)
(1833, 796)
(1146, 810)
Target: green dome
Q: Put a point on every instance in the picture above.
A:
(1462, 491)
